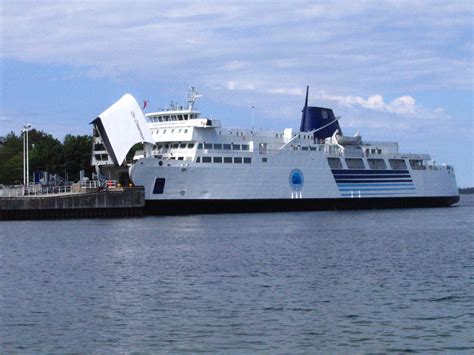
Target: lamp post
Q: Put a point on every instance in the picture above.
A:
(253, 107)
(23, 133)
(26, 160)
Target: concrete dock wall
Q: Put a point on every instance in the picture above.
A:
(119, 203)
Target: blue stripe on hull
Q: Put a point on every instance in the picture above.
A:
(361, 181)
(369, 172)
(343, 184)
(376, 189)
(365, 176)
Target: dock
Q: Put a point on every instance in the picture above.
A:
(119, 202)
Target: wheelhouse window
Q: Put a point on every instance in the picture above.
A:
(206, 159)
(218, 146)
(236, 147)
(237, 160)
(217, 159)
(398, 164)
(207, 146)
(227, 146)
(247, 160)
(377, 164)
(227, 160)
(245, 147)
(200, 146)
(355, 163)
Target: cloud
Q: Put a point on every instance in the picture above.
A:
(336, 43)
(404, 105)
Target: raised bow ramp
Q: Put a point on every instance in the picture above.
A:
(122, 126)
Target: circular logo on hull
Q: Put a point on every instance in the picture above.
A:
(296, 179)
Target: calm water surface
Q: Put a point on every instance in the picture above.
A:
(358, 281)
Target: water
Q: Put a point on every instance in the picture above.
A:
(358, 281)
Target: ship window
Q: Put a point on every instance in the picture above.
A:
(186, 130)
(227, 146)
(172, 158)
(304, 148)
(200, 146)
(180, 117)
(397, 164)
(167, 146)
(206, 159)
(218, 146)
(264, 160)
(95, 132)
(176, 145)
(378, 164)
(180, 158)
(180, 130)
(172, 131)
(182, 145)
(247, 160)
(245, 147)
(198, 159)
(417, 164)
(217, 159)
(164, 131)
(159, 186)
(353, 163)
(191, 145)
(312, 148)
(99, 146)
(379, 151)
(236, 147)
(335, 163)
(227, 160)
(238, 160)
(159, 146)
(207, 146)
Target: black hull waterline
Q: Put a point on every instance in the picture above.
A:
(176, 207)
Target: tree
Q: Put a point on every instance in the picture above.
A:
(46, 154)
(77, 155)
(11, 159)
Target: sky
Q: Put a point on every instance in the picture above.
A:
(394, 70)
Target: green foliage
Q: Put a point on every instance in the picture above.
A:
(77, 155)
(46, 154)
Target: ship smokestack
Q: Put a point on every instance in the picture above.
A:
(314, 117)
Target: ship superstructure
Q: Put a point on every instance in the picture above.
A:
(192, 164)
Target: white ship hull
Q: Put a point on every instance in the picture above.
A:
(190, 187)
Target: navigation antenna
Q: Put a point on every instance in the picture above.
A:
(191, 97)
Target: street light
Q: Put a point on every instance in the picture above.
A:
(253, 108)
(26, 163)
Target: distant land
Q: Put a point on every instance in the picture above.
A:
(466, 190)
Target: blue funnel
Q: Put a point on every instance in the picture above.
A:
(316, 117)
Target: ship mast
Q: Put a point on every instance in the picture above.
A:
(191, 97)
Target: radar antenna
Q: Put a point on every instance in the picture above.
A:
(191, 97)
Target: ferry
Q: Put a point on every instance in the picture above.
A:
(191, 164)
